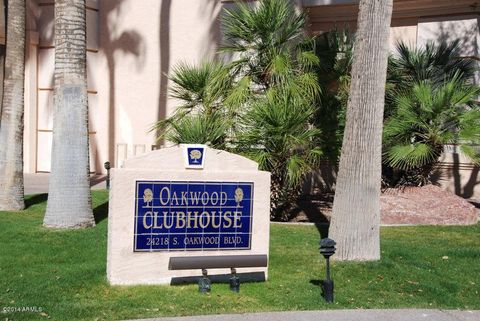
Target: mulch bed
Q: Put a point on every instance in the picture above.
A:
(426, 205)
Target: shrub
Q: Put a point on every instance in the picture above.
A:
(426, 118)
(275, 132)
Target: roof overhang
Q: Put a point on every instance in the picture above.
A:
(323, 13)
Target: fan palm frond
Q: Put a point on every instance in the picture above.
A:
(198, 86)
(409, 156)
(428, 117)
(209, 129)
(433, 63)
(276, 133)
(264, 38)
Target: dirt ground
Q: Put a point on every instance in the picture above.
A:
(427, 205)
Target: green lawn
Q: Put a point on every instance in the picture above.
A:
(63, 272)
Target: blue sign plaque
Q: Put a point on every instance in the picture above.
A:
(183, 216)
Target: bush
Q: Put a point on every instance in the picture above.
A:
(276, 133)
(427, 117)
(429, 102)
(261, 103)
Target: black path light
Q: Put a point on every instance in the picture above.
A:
(204, 283)
(235, 282)
(327, 249)
(107, 167)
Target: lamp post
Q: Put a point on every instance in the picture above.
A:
(107, 167)
(234, 282)
(204, 283)
(327, 249)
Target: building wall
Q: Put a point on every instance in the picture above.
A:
(415, 23)
(131, 47)
(139, 46)
(39, 67)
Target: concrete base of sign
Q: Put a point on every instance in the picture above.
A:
(127, 267)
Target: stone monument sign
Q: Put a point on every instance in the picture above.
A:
(181, 201)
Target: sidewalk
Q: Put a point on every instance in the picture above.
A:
(339, 315)
(38, 183)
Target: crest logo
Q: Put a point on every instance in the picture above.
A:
(147, 196)
(238, 195)
(194, 155)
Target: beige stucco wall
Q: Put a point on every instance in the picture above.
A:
(462, 28)
(406, 34)
(457, 174)
(131, 47)
(39, 66)
(139, 45)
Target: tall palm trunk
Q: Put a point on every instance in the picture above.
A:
(3, 18)
(356, 208)
(69, 199)
(11, 125)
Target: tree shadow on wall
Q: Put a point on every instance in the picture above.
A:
(164, 43)
(210, 9)
(128, 42)
(453, 171)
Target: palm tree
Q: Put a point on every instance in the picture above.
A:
(433, 63)
(427, 118)
(355, 224)
(208, 129)
(11, 125)
(202, 117)
(270, 83)
(3, 18)
(69, 199)
(276, 133)
(335, 49)
(267, 40)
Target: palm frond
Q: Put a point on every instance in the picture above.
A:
(199, 129)
(415, 155)
(472, 153)
(427, 117)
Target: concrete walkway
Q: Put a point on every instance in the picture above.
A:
(38, 183)
(339, 315)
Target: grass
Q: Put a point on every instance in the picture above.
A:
(63, 272)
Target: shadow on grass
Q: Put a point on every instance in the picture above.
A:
(35, 199)
(319, 283)
(322, 229)
(97, 179)
(100, 212)
(316, 210)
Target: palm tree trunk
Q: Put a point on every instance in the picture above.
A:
(69, 200)
(3, 18)
(11, 125)
(2, 74)
(356, 208)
